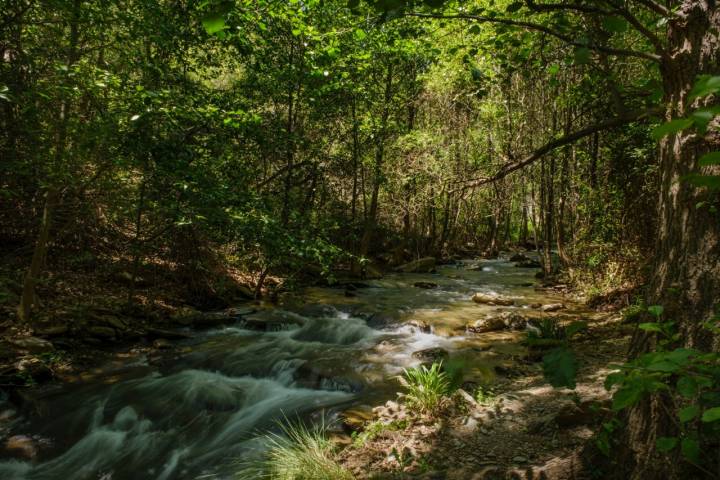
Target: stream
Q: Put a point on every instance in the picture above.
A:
(204, 410)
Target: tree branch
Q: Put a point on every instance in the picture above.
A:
(632, 20)
(655, 7)
(509, 168)
(540, 28)
(548, 7)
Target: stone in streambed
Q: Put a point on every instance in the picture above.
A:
(431, 355)
(502, 321)
(32, 344)
(491, 299)
(422, 265)
(552, 307)
(425, 285)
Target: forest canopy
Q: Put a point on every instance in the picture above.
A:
(227, 150)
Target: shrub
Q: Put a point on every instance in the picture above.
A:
(426, 387)
(298, 453)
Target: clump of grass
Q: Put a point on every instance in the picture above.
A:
(548, 328)
(297, 453)
(426, 387)
(373, 429)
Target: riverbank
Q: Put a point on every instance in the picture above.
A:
(519, 427)
(321, 352)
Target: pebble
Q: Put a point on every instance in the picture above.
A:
(520, 459)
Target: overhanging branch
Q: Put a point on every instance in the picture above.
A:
(540, 28)
(509, 168)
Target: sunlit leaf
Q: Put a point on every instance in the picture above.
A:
(711, 415)
(673, 126)
(712, 158)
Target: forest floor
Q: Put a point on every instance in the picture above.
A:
(523, 429)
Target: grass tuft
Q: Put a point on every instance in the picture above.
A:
(298, 453)
(426, 387)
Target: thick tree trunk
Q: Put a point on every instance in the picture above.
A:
(686, 278)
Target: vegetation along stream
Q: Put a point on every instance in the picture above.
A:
(201, 413)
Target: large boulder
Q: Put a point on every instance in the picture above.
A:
(502, 321)
(491, 299)
(422, 265)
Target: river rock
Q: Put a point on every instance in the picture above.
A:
(518, 257)
(528, 263)
(502, 321)
(491, 299)
(101, 332)
(21, 446)
(355, 419)
(382, 320)
(328, 377)
(535, 305)
(371, 272)
(162, 344)
(490, 324)
(425, 285)
(422, 265)
(552, 307)
(422, 326)
(51, 330)
(431, 355)
(32, 344)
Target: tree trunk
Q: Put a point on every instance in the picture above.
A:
(370, 221)
(686, 278)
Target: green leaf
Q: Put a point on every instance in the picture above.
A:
(475, 29)
(711, 415)
(655, 310)
(690, 449)
(673, 126)
(712, 158)
(688, 413)
(626, 396)
(665, 444)
(650, 327)
(687, 387)
(703, 116)
(615, 24)
(214, 23)
(704, 86)
(560, 367)
(614, 379)
(514, 7)
(708, 181)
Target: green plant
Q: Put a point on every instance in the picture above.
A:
(297, 453)
(375, 428)
(559, 364)
(685, 381)
(485, 395)
(426, 387)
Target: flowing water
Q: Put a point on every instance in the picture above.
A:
(198, 414)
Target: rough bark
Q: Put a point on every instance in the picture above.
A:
(686, 275)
